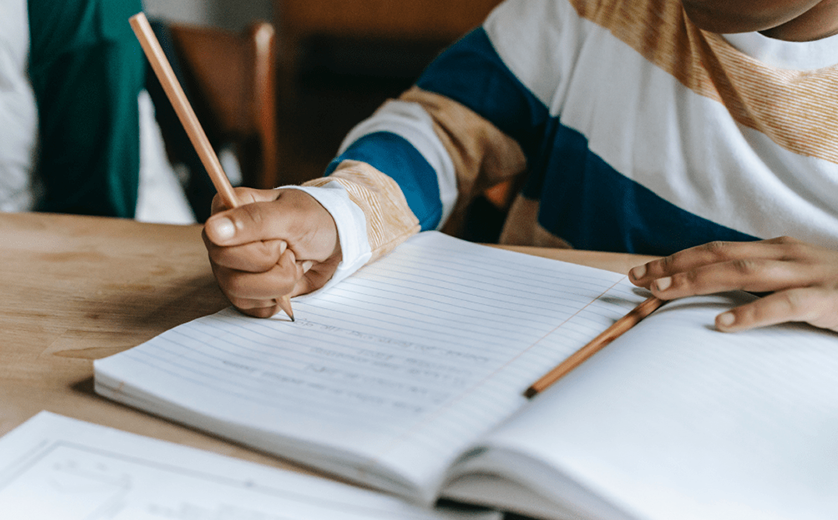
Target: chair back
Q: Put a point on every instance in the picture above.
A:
(231, 79)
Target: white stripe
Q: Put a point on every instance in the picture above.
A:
(18, 112)
(410, 121)
(640, 120)
(351, 224)
(537, 40)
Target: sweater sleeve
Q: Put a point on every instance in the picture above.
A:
(443, 141)
(375, 215)
(417, 162)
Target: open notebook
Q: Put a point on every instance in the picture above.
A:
(409, 375)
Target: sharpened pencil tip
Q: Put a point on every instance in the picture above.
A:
(285, 304)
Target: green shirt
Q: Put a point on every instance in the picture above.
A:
(87, 69)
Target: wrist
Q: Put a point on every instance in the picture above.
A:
(352, 246)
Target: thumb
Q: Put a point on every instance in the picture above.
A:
(249, 223)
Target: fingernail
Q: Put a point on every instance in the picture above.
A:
(283, 245)
(307, 265)
(638, 272)
(726, 319)
(223, 228)
(663, 284)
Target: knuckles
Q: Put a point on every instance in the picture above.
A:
(746, 266)
(666, 265)
(717, 248)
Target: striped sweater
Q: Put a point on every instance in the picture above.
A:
(628, 128)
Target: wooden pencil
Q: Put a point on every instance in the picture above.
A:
(163, 70)
(595, 345)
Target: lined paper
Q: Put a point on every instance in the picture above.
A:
(683, 421)
(395, 371)
(54, 467)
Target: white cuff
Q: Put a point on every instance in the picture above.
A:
(351, 224)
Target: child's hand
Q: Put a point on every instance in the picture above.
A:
(278, 242)
(802, 280)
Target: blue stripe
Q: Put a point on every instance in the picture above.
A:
(396, 157)
(472, 73)
(594, 207)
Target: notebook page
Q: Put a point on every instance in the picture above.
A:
(57, 468)
(396, 369)
(676, 420)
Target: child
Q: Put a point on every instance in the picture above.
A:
(640, 128)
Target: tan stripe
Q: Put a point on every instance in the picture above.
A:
(389, 219)
(483, 156)
(795, 109)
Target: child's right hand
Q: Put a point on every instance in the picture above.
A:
(277, 243)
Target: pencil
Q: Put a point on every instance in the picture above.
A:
(598, 343)
(163, 70)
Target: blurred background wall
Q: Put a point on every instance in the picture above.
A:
(228, 14)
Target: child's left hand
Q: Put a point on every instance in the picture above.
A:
(802, 280)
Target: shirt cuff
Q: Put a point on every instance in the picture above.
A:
(351, 225)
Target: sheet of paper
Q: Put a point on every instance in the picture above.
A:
(677, 420)
(403, 364)
(56, 468)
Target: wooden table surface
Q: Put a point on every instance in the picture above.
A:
(75, 289)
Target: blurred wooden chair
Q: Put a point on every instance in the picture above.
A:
(384, 22)
(230, 79)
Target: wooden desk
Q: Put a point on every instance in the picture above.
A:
(75, 289)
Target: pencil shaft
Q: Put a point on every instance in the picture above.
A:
(163, 70)
(595, 345)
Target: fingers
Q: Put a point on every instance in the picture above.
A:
(768, 265)
(255, 257)
(280, 279)
(802, 280)
(746, 275)
(813, 306)
(257, 308)
(257, 293)
(713, 252)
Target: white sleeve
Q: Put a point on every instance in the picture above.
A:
(351, 225)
